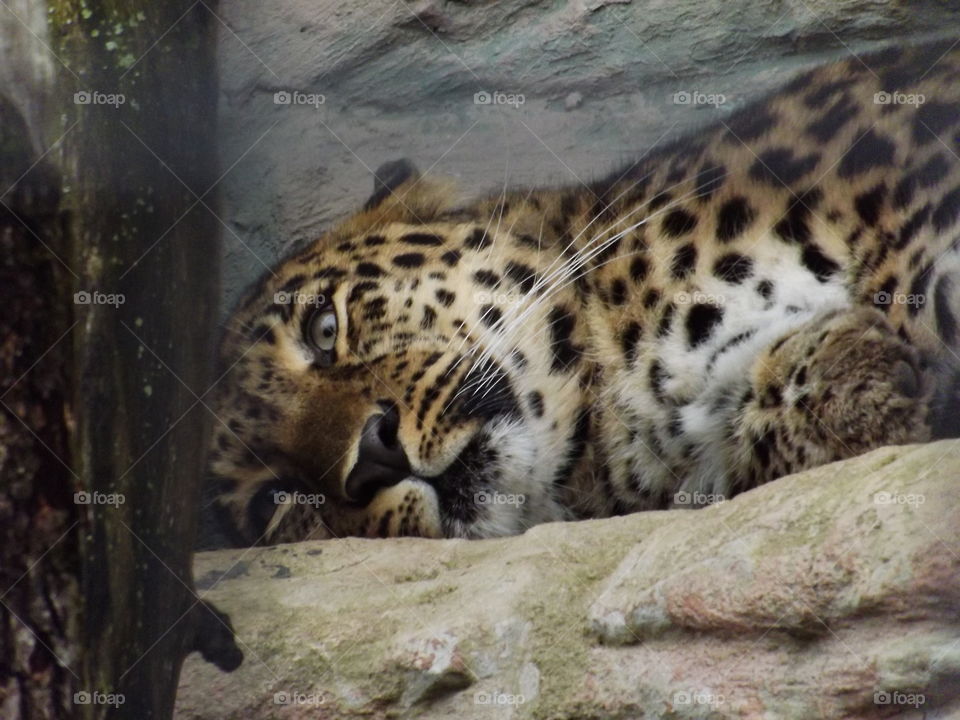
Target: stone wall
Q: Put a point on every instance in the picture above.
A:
(598, 80)
(27, 68)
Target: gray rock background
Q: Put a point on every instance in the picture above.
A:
(26, 72)
(398, 79)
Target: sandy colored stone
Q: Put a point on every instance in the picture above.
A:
(824, 594)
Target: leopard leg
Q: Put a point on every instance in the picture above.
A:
(837, 386)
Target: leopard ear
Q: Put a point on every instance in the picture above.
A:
(390, 176)
(400, 195)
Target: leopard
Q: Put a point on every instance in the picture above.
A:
(776, 290)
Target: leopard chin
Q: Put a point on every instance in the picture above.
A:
(492, 488)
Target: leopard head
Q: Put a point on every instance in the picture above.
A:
(409, 373)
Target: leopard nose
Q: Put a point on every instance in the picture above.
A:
(381, 461)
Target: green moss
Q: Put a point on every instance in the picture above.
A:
(433, 594)
(417, 576)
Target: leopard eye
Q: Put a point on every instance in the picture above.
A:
(322, 330)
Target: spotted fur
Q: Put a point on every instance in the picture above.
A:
(709, 319)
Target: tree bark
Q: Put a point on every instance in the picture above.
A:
(132, 280)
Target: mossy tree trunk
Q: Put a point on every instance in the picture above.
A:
(133, 284)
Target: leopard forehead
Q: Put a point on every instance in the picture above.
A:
(404, 282)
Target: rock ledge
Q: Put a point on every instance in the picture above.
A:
(833, 593)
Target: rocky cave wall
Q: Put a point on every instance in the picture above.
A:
(601, 82)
